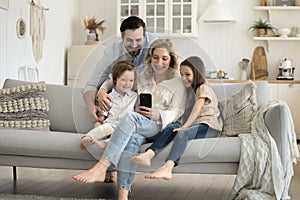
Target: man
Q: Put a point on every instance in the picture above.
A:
(133, 47)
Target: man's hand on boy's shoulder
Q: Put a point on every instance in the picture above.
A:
(104, 100)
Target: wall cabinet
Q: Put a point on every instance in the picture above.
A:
(81, 61)
(163, 17)
(290, 93)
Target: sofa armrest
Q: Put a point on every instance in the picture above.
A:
(276, 120)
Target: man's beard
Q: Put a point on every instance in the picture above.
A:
(135, 52)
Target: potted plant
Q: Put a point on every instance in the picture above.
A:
(92, 24)
(261, 27)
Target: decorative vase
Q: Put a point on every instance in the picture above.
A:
(244, 74)
(92, 35)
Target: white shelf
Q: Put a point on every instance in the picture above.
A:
(279, 8)
(276, 8)
(269, 9)
(277, 38)
(268, 39)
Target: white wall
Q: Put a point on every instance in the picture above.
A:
(226, 44)
(61, 29)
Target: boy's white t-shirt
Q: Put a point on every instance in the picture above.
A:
(120, 107)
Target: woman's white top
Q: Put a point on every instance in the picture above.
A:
(168, 96)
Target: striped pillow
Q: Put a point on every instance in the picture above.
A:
(24, 107)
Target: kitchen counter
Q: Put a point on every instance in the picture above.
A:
(241, 81)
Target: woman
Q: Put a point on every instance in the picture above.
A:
(205, 114)
(162, 80)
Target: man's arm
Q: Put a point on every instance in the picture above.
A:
(89, 97)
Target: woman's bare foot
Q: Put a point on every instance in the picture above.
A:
(165, 172)
(100, 143)
(85, 141)
(95, 174)
(144, 159)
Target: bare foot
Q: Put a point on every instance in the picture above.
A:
(85, 141)
(123, 194)
(165, 172)
(97, 124)
(100, 143)
(144, 159)
(95, 174)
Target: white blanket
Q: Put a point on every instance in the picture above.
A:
(261, 175)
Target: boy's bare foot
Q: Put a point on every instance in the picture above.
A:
(100, 143)
(97, 124)
(144, 159)
(85, 141)
(95, 174)
(165, 172)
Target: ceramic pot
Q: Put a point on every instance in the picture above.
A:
(261, 32)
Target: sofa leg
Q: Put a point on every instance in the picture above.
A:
(14, 173)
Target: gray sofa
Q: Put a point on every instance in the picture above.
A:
(59, 147)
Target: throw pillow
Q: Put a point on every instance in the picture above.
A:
(238, 111)
(24, 107)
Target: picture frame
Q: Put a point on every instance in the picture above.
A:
(4, 4)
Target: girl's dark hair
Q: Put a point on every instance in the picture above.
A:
(119, 68)
(132, 23)
(198, 68)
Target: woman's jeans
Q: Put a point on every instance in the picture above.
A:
(125, 142)
(182, 138)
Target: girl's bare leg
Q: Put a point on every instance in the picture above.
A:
(123, 194)
(165, 172)
(144, 159)
(95, 174)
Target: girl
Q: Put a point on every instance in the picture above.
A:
(123, 75)
(204, 115)
(161, 79)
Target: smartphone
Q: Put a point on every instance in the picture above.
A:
(146, 100)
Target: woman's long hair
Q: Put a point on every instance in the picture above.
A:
(174, 63)
(166, 44)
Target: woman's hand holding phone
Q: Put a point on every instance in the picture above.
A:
(152, 114)
(145, 107)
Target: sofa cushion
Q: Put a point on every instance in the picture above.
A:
(68, 111)
(238, 111)
(211, 150)
(24, 107)
(45, 144)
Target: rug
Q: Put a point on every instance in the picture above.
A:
(35, 197)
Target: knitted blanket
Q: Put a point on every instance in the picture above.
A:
(261, 175)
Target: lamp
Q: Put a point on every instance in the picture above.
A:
(216, 13)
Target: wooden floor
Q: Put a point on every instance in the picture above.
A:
(52, 182)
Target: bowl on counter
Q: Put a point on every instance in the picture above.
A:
(284, 32)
